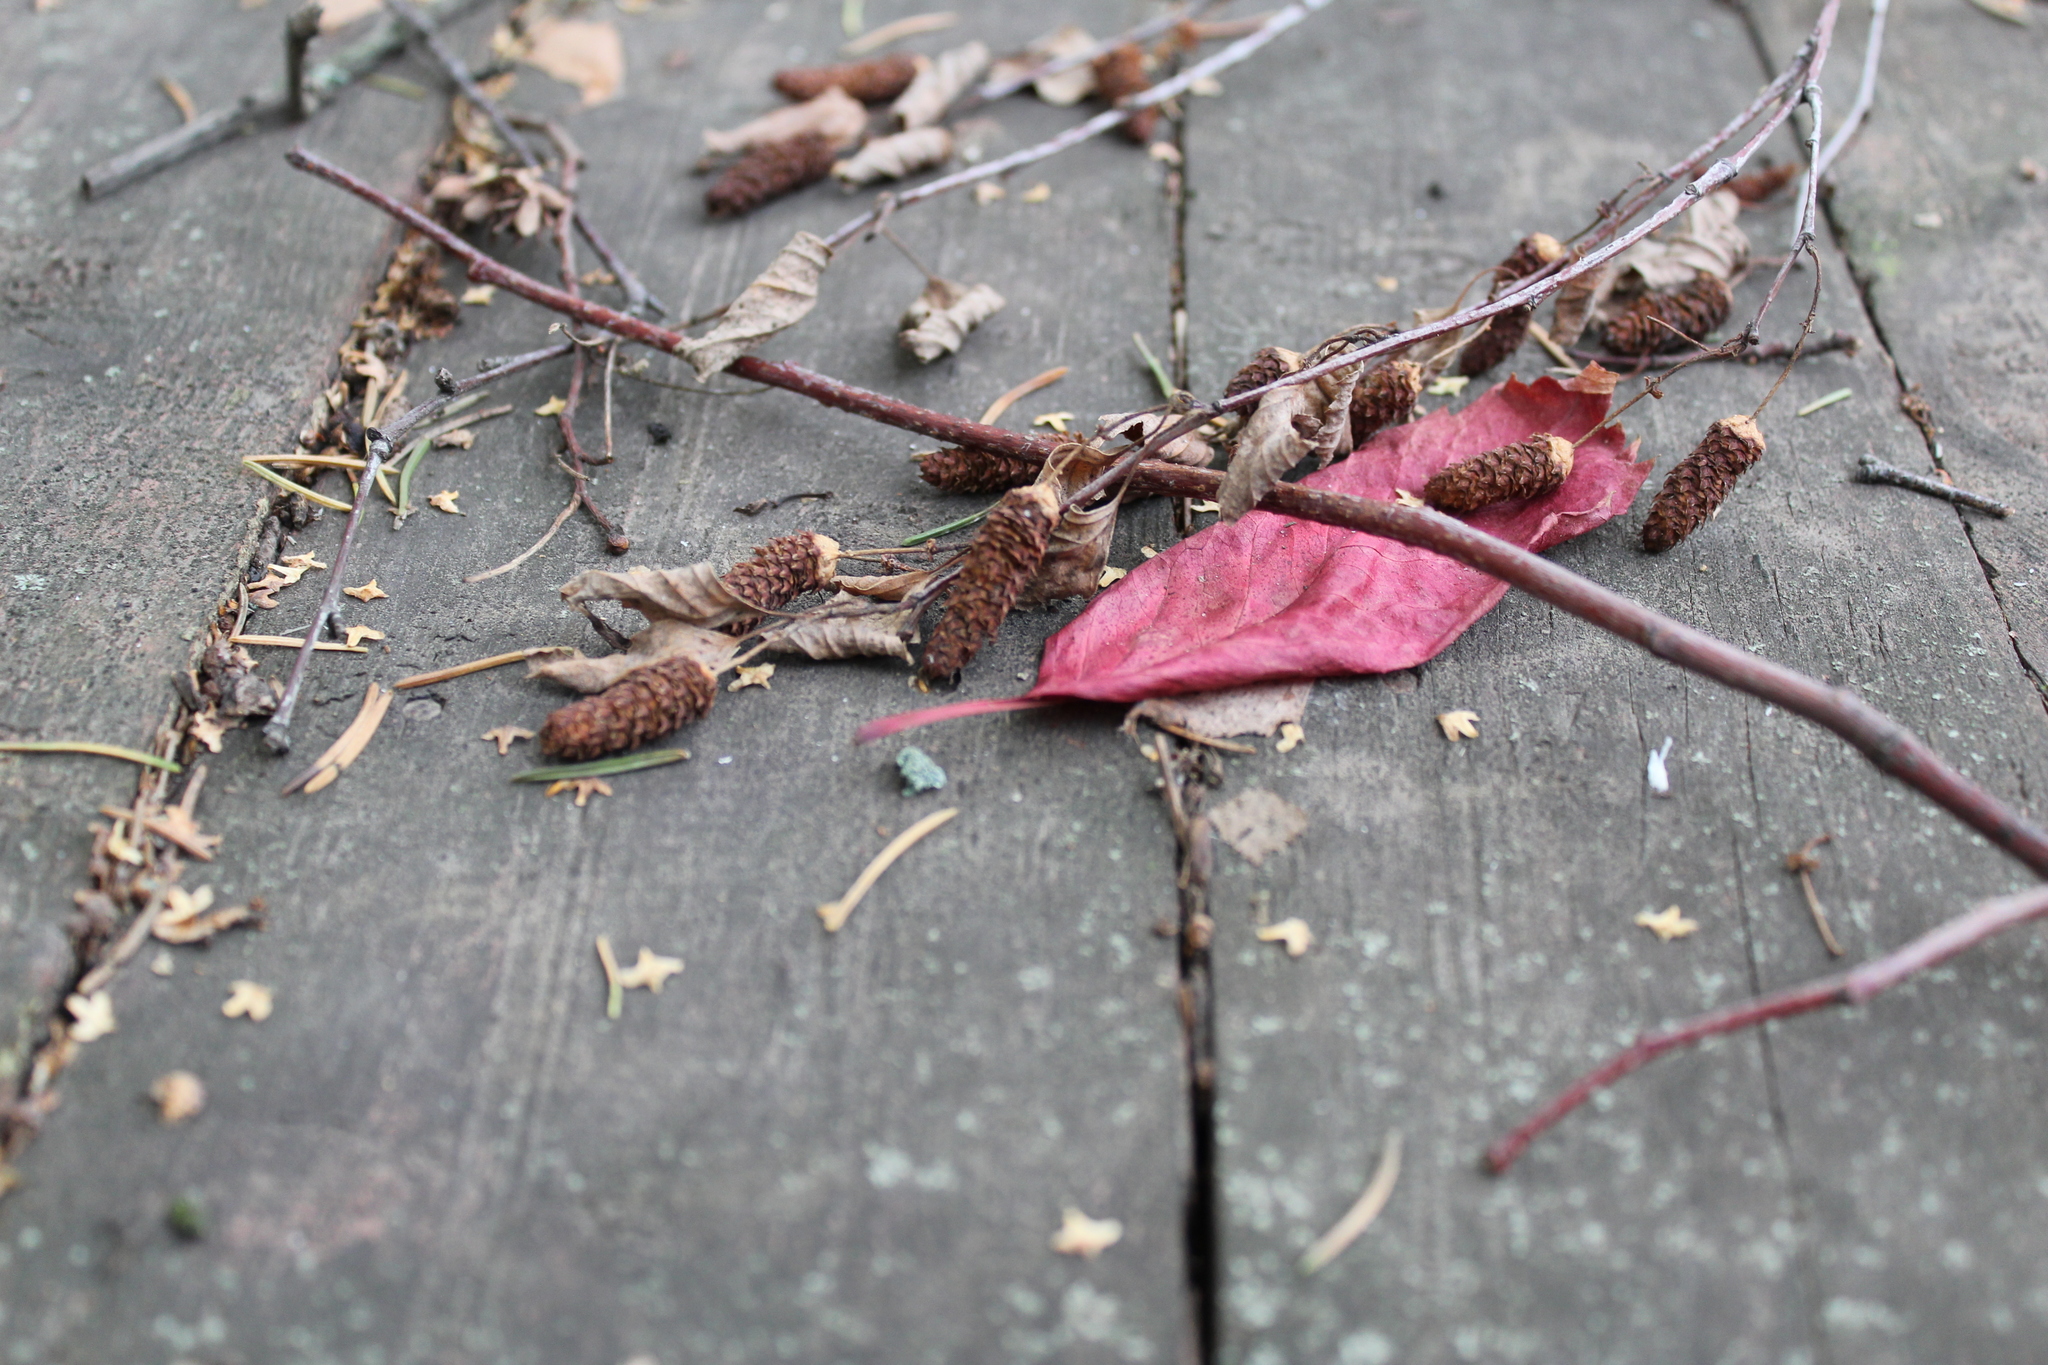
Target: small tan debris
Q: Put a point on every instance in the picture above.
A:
(1291, 737)
(347, 746)
(1447, 385)
(247, 1000)
(1459, 725)
(1387, 283)
(1258, 823)
(207, 728)
(187, 916)
(2030, 170)
(505, 736)
(1109, 576)
(1359, 1217)
(1293, 934)
(1037, 194)
(358, 634)
(1056, 420)
(369, 592)
(584, 787)
(835, 116)
(1667, 924)
(462, 438)
(1080, 1235)
(585, 53)
(1403, 498)
(752, 675)
(444, 501)
(179, 1095)
(480, 295)
(92, 1016)
(163, 964)
(649, 972)
(988, 191)
(834, 913)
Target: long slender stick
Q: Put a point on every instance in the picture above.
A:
(452, 388)
(1852, 987)
(1009, 85)
(278, 732)
(1866, 94)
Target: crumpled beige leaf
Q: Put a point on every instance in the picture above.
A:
(1577, 300)
(1079, 546)
(663, 639)
(187, 916)
(694, 593)
(1595, 378)
(836, 631)
(92, 1016)
(889, 158)
(939, 82)
(887, 587)
(178, 1095)
(1137, 428)
(835, 116)
(1279, 434)
(585, 53)
(1071, 86)
(939, 319)
(1706, 238)
(1257, 709)
(1258, 823)
(778, 299)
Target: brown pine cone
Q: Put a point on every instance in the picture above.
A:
(1120, 73)
(1697, 484)
(781, 571)
(1005, 554)
(976, 471)
(874, 81)
(646, 704)
(1694, 310)
(1384, 398)
(1262, 369)
(1500, 336)
(1526, 469)
(769, 172)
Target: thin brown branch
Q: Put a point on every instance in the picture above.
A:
(452, 388)
(1852, 987)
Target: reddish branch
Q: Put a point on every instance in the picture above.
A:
(1852, 987)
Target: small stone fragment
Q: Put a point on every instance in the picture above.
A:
(919, 771)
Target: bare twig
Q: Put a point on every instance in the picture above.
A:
(1870, 469)
(277, 733)
(1852, 987)
(1866, 93)
(1052, 66)
(1754, 355)
(298, 36)
(452, 388)
(1801, 864)
(256, 111)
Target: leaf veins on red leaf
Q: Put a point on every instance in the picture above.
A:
(1272, 597)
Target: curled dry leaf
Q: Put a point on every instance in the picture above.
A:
(835, 116)
(846, 628)
(694, 594)
(662, 640)
(1577, 299)
(885, 587)
(1707, 239)
(1074, 84)
(1078, 549)
(1595, 378)
(938, 83)
(585, 53)
(1137, 428)
(939, 318)
(179, 1095)
(891, 158)
(779, 298)
(92, 1016)
(247, 1000)
(1258, 823)
(1458, 725)
(1279, 435)
(1259, 709)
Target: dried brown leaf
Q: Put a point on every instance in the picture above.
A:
(695, 594)
(886, 587)
(178, 1095)
(1137, 428)
(939, 318)
(663, 639)
(938, 83)
(1258, 823)
(845, 628)
(1276, 438)
(1707, 238)
(835, 116)
(1258, 709)
(779, 298)
(890, 158)
(1577, 300)
(585, 53)
(1595, 378)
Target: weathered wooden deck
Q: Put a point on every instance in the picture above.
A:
(855, 1147)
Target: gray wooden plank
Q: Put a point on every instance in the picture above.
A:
(817, 1148)
(1474, 902)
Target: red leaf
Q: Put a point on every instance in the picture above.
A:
(1271, 597)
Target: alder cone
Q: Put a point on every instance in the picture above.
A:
(768, 172)
(781, 571)
(1753, 187)
(1526, 469)
(1120, 73)
(1697, 484)
(976, 471)
(1005, 554)
(1646, 327)
(1269, 364)
(1501, 335)
(651, 701)
(873, 81)
(1384, 398)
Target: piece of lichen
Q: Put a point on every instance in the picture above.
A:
(920, 773)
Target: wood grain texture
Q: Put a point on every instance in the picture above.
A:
(1474, 902)
(837, 1147)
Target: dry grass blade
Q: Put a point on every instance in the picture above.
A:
(296, 642)
(908, 27)
(1023, 390)
(476, 666)
(79, 746)
(350, 743)
(1346, 1230)
(834, 913)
